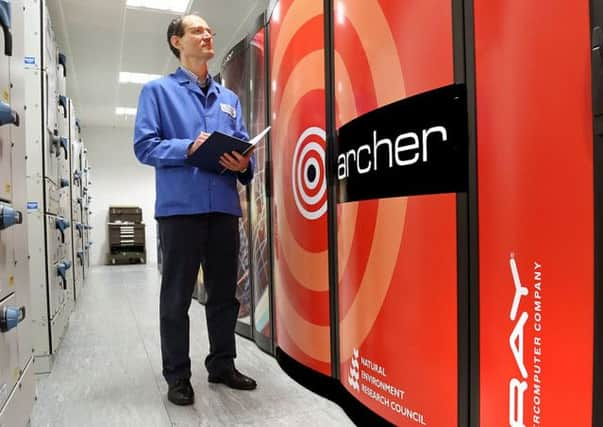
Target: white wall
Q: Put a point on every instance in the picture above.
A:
(117, 179)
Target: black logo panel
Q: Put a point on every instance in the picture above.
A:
(415, 146)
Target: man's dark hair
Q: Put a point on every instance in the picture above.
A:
(176, 28)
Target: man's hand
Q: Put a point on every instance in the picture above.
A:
(236, 162)
(198, 142)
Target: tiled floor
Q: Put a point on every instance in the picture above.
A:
(108, 369)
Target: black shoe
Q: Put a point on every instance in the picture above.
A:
(233, 379)
(181, 393)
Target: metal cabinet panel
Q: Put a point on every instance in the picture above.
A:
(62, 74)
(78, 276)
(85, 210)
(76, 214)
(56, 292)
(76, 172)
(5, 144)
(62, 115)
(64, 208)
(51, 100)
(9, 357)
(57, 327)
(59, 263)
(52, 197)
(33, 9)
(38, 313)
(24, 299)
(7, 262)
(86, 258)
(5, 165)
(52, 151)
(17, 410)
(36, 154)
(20, 195)
(53, 240)
(49, 43)
(67, 247)
(78, 236)
(69, 292)
(52, 136)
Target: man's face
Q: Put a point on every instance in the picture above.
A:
(197, 41)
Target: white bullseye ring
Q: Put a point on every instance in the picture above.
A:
(299, 174)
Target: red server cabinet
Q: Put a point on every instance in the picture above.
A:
(397, 256)
(244, 71)
(536, 211)
(464, 290)
(234, 74)
(261, 271)
(299, 186)
(597, 83)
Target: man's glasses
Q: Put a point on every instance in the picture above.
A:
(208, 33)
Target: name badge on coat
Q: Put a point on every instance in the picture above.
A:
(229, 109)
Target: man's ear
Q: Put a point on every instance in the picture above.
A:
(175, 41)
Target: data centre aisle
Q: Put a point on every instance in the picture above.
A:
(108, 372)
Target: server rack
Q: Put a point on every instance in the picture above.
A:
(520, 135)
(54, 179)
(16, 358)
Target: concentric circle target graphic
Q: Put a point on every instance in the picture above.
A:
(309, 181)
(300, 184)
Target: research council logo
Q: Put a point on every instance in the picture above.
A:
(308, 174)
(354, 374)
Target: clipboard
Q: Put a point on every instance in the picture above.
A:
(207, 156)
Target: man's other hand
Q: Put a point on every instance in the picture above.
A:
(236, 162)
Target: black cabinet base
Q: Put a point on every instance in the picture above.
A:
(331, 389)
(243, 329)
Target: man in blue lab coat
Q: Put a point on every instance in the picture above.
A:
(197, 211)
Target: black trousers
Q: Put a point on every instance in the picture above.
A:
(210, 240)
